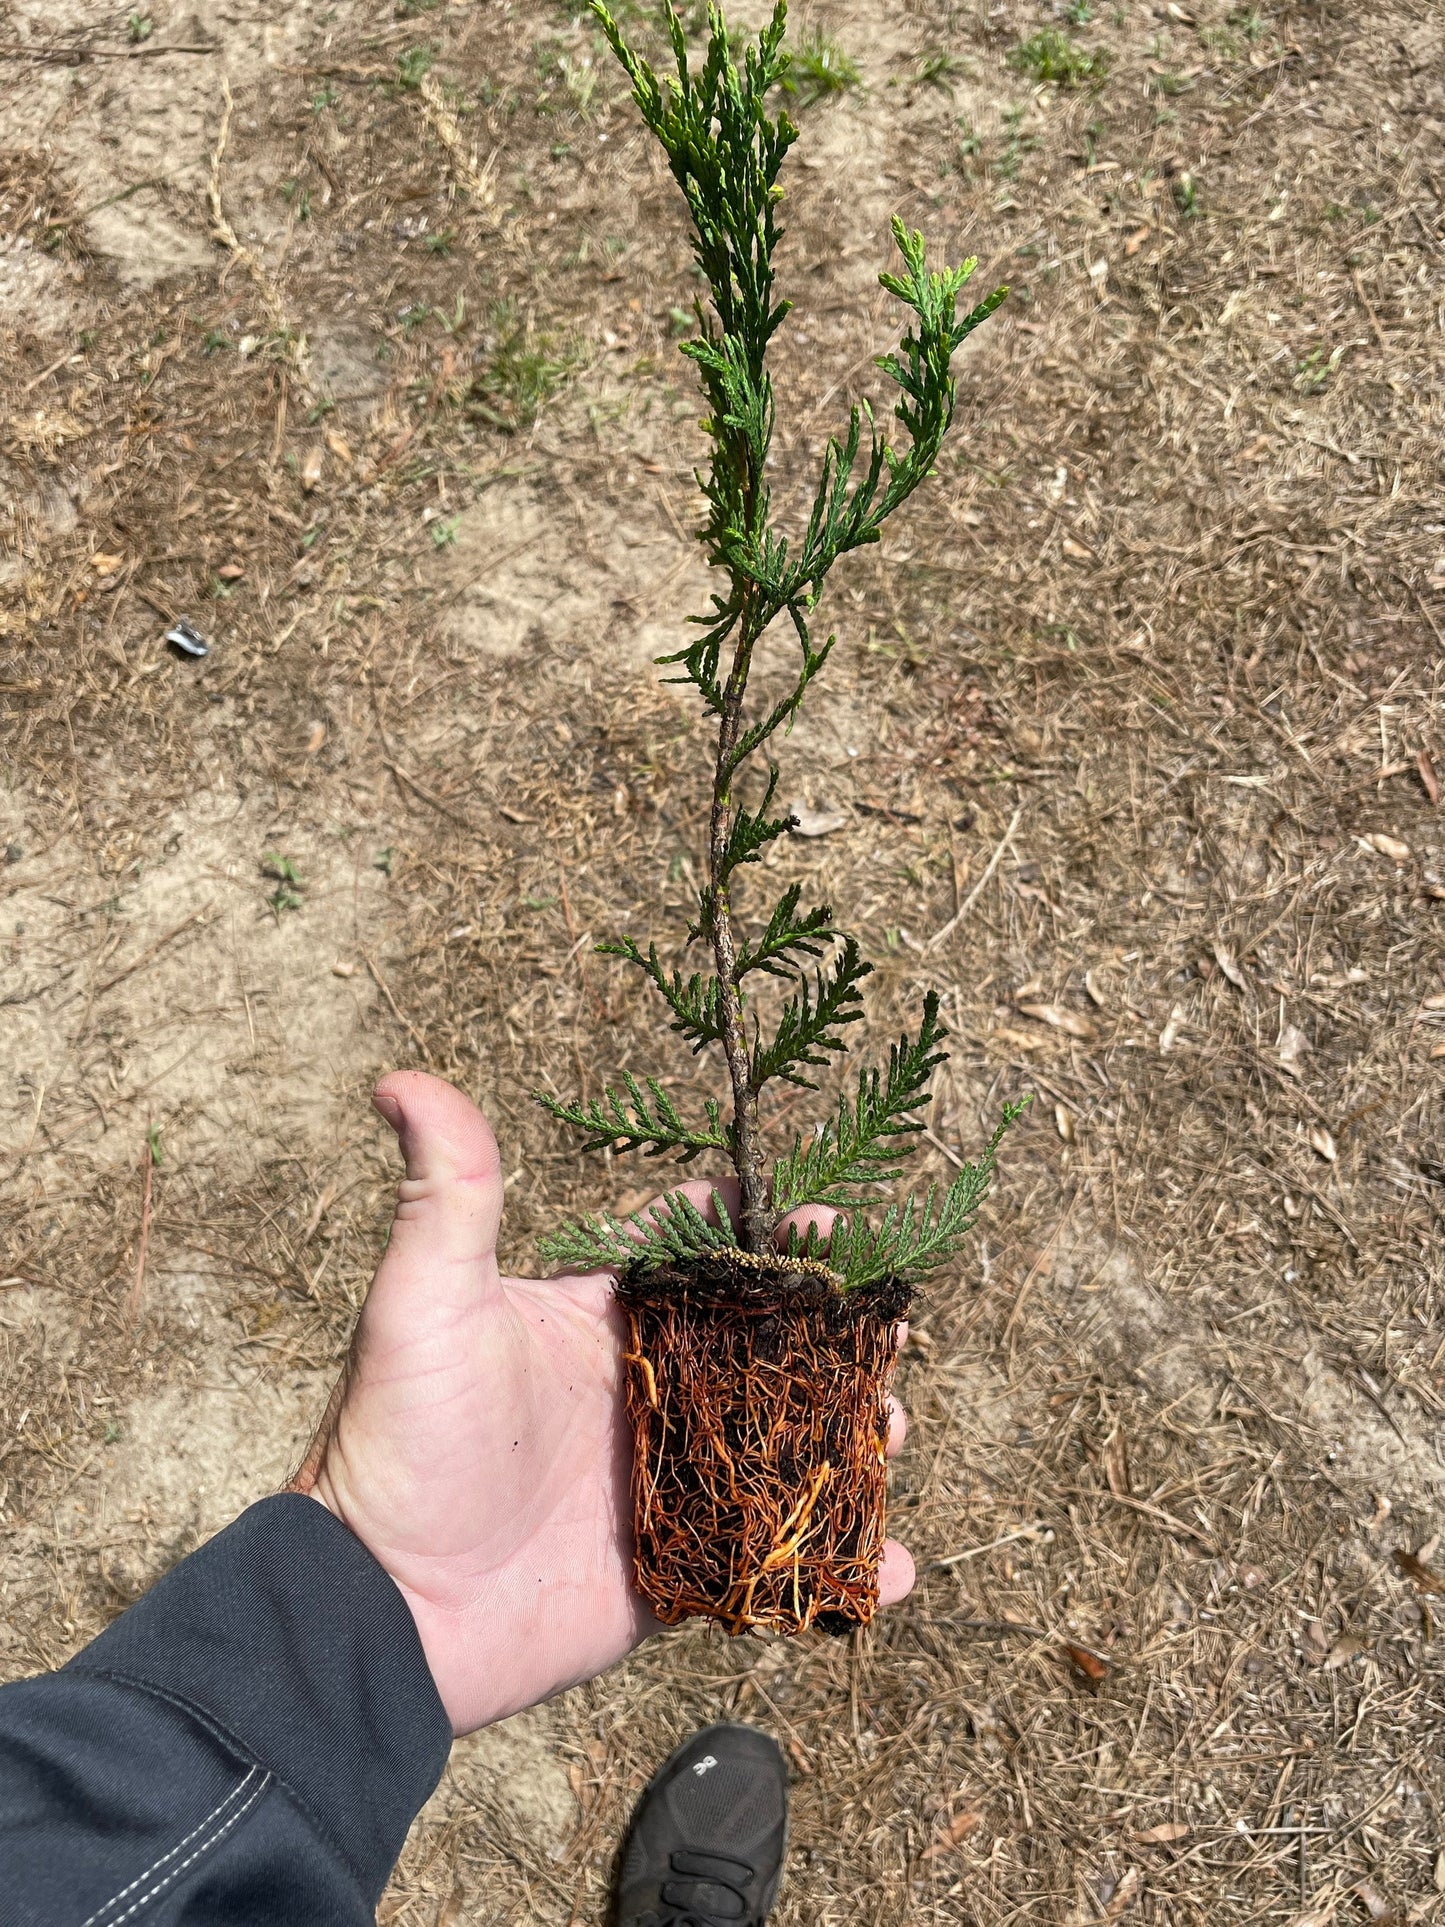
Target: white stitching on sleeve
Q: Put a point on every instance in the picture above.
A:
(101, 1913)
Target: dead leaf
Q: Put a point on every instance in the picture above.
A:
(1136, 240)
(1126, 1891)
(338, 445)
(958, 1829)
(1095, 988)
(316, 738)
(1115, 1459)
(1388, 846)
(1225, 958)
(1417, 1571)
(1086, 1663)
(1322, 1142)
(1292, 1046)
(1344, 1649)
(1376, 1905)
(231, 571)
(343, 969)
(1077, 550)
(1166, 1831)
(1428, 777)
(1438, 1051)
(1068, 1021)
(1436, 1001)
(1020, 1039)
(1169, 1036)
(801, 1758)
(106, 564)
(807, 821)
(1064, 1123)
(311, 467)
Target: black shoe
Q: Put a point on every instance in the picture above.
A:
(709, 1835)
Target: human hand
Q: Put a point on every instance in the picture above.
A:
(476, 1442)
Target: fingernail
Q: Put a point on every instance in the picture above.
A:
(384, 1102)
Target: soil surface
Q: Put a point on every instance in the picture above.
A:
(352, 337)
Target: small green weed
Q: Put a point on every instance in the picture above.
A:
(153, 1143)
(940, 69)
(1186, 196)
(326, 96)
(384, 860)
(578, 83)
(1016, 146)
(287, 894)
(441, 241)
(1078, 13)
(139, 27)
(820, 67)
(522, 371)
(1051, 57)
(1250, 22)
(444, 534)
(1314, 372)
(413, 66)
(214, 340)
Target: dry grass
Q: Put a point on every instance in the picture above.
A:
(1163, 639)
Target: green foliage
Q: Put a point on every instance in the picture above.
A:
(1050, 56)
(635, 1125)
(672, 1235)
(520, 372)
(287, 894)
(726, 148)
(939, 68)
(913, 1238)
(818, 67)
(413, 66)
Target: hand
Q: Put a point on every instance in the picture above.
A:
(476, 1442)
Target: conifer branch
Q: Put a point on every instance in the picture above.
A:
(694, 1001)
(637, 1126)
(673, 1231)
(726, 149)
(810, 1022)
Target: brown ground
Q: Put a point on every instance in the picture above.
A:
(1161, 644)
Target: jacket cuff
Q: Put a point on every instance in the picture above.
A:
(285, 1634)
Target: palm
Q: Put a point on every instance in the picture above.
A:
(506, 1503)
(477, 1445)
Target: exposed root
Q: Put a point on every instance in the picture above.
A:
(758, 1396)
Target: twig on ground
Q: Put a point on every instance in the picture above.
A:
(978, 889)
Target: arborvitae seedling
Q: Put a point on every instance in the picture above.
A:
(726, 149)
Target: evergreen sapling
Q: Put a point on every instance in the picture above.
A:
(726, 150)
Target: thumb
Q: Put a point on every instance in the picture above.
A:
(449, 1204)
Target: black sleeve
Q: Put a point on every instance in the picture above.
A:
(248, 1744)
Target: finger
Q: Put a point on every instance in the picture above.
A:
(819, 1216)
(896, 1574)
(699, 1194)
(897, 1428)
(449, 1205)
